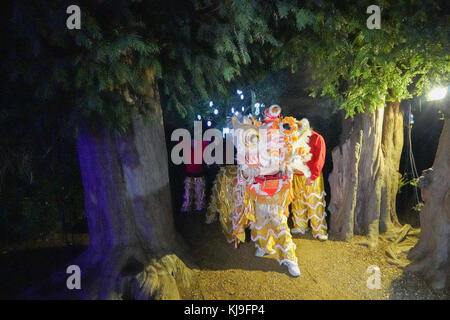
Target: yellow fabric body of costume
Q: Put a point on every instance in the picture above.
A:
(222, 202)
(309, 205)
(269, 228)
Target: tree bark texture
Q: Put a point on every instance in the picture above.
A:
(364, 180)
(431, 255)
(133, 243)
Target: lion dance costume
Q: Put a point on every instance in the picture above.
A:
(308, 188)
(257, 193)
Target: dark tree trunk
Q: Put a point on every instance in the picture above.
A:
(364, 180)
(133, 243)
(125, 180)
(431, 255)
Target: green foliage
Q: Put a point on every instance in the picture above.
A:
(264, 91)
(58, 79)
(414, 182)
(403, 181)
(418, 207)
(362, 68)
(197, 49)
(444, 113)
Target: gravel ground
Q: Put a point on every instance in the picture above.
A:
(330, 270)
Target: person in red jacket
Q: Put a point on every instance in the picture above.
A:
(308, 189)
(194, 183)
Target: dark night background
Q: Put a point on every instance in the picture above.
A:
(41, 192)
(54, 195)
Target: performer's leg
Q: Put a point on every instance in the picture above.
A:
(271, 234)
(316, 209)
(283, 243)
(285, 247)
(212, 209)
(187, 197)
(199, 185)
(299, 208)
(261, 231)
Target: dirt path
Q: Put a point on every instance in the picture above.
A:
(330, 270)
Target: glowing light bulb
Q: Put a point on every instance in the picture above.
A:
(239, 92)
(243, 109)
(242, 97)
(208, 123)
(216, 112)
(232, 110)
(437, 94)
(199, 117)
(211, 103)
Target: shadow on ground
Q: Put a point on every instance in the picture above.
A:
(411, 287)
(330, 270)
(22, 268)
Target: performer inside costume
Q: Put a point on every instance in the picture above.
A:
(308, 186)
(267, 198)
(258, 191)
(194, 183)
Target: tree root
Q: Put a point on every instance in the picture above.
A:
(121, 275)
(160, 280)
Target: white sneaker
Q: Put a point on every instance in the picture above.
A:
(260, 252)
(322, 237)
(293, 268)
(297, 231)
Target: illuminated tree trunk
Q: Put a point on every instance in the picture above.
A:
(431, 255)
(133, 244)
(364, 181)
